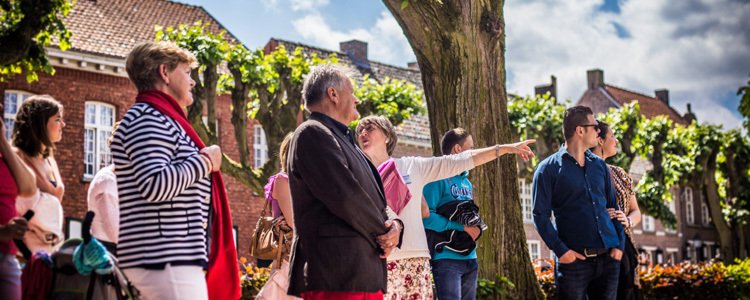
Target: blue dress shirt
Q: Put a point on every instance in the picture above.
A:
(579, 197)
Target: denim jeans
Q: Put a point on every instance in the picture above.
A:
(595, 277)
(455, 279)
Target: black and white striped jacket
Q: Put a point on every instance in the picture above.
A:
(164, 188)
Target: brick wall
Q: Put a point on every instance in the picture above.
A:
(409, 150)
(74, 87)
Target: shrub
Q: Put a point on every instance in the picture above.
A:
(489, 289)
(252, 279)
(706, 280)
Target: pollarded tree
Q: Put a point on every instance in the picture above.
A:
(26, 26)
(539, 118)
(734, 186)
(268, 89)
(460, 48)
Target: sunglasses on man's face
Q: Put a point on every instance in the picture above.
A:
(596, 126)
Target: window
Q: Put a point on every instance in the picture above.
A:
(533, 249)
(648, 223)
(691, 254)
(99, 120)
(705, 217)
(527, 202)
(706, 252)
(689, 215)
(13, 100)
(260, 146)
(673, 209)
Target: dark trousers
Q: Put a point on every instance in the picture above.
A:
(455, 279)
(593, 278)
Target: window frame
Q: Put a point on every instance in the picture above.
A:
(260, 146)
(705, 215)
(101, 133)
(527, 201)
(689, 206)
(538, 245)
(12, 116)
(648, 223)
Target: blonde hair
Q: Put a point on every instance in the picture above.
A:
(144, 60)
(284, 150)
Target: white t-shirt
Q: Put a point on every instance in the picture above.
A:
(417, 172)
(103, 201)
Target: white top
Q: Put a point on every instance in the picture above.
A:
(104, 202)
(417, 172)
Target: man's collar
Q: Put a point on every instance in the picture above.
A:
(343, 129)
(563, 151)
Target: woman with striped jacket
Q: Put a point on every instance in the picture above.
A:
(173, 206)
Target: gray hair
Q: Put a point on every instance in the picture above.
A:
(319, 80)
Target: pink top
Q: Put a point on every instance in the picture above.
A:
(269, 193)
(104, 202)
(396, 191)
(8, 193)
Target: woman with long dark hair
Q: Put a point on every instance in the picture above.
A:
(38, 126)
(629, 214)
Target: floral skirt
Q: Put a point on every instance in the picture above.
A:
(409, 279)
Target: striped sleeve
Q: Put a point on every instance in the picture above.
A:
(150, 144)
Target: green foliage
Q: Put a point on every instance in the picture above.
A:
(738, 276)
(395, 99)
(207, 47)
(490, 289)
(652, 197)
(625, 123)
(744, 107)
(538, 118)
(51, 28)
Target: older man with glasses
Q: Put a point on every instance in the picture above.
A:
(575, 184)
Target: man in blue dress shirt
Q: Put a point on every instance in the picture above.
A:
(575, 184)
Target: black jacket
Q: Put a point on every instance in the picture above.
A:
(339, 210)
(461, 211)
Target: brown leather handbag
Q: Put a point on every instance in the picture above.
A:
(271, 238)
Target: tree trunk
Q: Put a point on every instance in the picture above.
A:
(460, 50)
(711, 194)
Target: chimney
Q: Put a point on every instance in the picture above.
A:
(689, 116)
(551, 88)
(595, 78)
(413, 66)
(663, 95)
(357, 50)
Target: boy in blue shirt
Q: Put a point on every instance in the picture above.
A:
(455, 274)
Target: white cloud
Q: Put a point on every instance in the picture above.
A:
(696, 50)
(296, 5)
(386, 41)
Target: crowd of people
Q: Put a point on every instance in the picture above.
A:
(366, 225)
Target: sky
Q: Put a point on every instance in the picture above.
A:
(697, 49)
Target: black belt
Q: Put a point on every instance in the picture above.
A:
(591, 252)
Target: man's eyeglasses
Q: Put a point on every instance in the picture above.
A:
(596, 126)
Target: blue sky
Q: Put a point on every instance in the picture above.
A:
(698, 49)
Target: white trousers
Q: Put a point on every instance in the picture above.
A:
(174, 282)
(10, 277)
